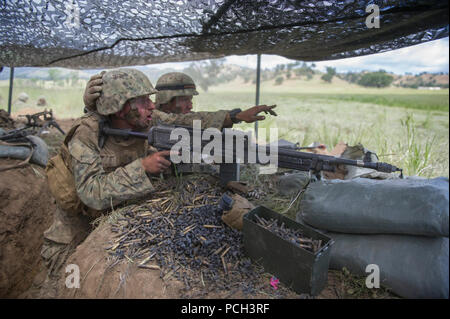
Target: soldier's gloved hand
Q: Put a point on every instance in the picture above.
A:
(93, 90)
(251, 115)
(156, 162)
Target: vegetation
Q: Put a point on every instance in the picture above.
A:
(279, 80)
(331, 72)
(378, 79)
(54, 75)
(410, 131)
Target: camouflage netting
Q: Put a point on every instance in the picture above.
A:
(109, 33)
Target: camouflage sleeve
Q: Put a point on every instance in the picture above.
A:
(209, 119)
(98, 189)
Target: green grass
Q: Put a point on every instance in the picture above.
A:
(426, 102)
(413, 138)
(66, 102)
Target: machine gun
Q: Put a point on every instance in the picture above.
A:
(35, 121)
(159, 136)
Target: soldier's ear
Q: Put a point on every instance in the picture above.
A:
(124, 111)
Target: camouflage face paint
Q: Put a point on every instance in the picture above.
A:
(139, 115)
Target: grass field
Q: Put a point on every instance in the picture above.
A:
(406, 127)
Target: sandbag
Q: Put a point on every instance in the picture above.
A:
(412, 266)
(291, 184)
(40, 153)
(366, 206)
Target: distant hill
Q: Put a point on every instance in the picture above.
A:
(422, 80)
(216, 72)
(43, 73)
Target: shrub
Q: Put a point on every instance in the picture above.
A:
(376, 79)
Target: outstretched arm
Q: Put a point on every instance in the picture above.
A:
(251, 115)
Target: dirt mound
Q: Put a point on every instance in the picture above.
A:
(99, 280)
(100, 277)
(25, 212)
(6, 121)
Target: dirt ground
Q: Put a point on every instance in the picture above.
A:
(25, 212)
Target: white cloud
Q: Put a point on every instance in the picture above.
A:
(431, 56)
(267, 61)
(426, 57)
(170, 65)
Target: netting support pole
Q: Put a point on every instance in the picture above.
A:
(11, 81)
(258, 80)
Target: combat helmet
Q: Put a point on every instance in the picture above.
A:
(23, 97)
(174, 84)
(119, 86)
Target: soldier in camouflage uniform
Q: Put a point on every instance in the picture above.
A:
(174, 96)
(87, 179)
(175, 93)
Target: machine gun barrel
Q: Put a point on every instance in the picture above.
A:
(159, 137)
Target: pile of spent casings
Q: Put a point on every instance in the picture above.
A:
(294, 236)
(182, 234)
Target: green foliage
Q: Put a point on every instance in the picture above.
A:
(351, 77)
(279, 80)
(378, 79)
(416, 154)
(304, 70)
(331, 71)
(206, 73)
(54, 74)
(74, 77)
(327, 77)
(425, 102)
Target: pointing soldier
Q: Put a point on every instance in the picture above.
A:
(175, 93)
(87, 178)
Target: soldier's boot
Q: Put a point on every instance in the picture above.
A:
(67, 231)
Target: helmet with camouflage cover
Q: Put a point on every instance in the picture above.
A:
(174, 84)
(119, 86)
(23, 97)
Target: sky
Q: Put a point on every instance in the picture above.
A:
(430, 57)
